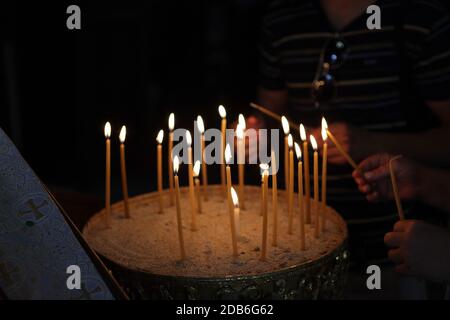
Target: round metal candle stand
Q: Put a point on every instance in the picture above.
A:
(324, 278)
(321, 278)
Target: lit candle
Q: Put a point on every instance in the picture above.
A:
(201, 129)
(274, 200)
(316, 185)
(197, 185)
(191, 182)
(159, 140)
(177, 200)
(230, 204)
(237, 211)
(264, 174)
(108, 175)
(123, 170)
(291, 183)
(223, 115)
(169, 158)
(307, 175)
(298, 152)
(241, 161)
(285, 125)
(324, 176)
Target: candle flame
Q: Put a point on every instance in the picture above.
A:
(290, 141)
(160, 136)
(239, 131)
(235, 198)
(313, 142)
(264, 169)
(196, 168)
(176, 164)
(123, 134)
(171, 121)
(188, 138)
(227, 154)
(285, 125)
(324, 129)
(222, 111)
(298, 151)
(200, 124)
(302, 132)
(241, 121)
(107, 130)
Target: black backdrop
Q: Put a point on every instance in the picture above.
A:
(131, 63)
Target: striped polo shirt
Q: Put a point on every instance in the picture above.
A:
(372, 90)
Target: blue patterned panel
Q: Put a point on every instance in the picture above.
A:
(36, 243)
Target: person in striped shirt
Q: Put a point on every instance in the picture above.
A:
(383, 90)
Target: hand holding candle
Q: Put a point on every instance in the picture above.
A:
(176, 163)
(316, 185)
(108, 175)
(159, 140)
(123, 171)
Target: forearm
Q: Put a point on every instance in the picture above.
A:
(434, 187)
(427, 147)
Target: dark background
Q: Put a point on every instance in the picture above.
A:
(131, 63)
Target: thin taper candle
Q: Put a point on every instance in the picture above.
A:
(191, 183)
(291, 184)
(229, 200)
(300, 196)
(123, 171)
(170, 158)
(159, 140)
(316, 186)
(274, 200)
(197, 186)
(398, 202)
(177, 200)
(285, 125)
(241, 160)
(265, 175)
(323, 206)
(201, 129)
(306, 175)
(342, 151)
(108, 175)
(223, 115)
